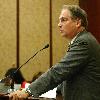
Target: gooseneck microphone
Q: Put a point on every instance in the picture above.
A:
(12, 74)
(46, 46)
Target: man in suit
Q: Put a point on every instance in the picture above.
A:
(78, 72)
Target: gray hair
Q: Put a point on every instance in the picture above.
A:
(77, 12)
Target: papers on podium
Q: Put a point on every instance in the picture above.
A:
(50, 94)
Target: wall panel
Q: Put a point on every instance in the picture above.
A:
(34, 34)
(93, 16)
(7, 35)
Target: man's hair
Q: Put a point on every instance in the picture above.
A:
(77, 13)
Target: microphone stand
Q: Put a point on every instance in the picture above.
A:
(32, 57)
(11, 76)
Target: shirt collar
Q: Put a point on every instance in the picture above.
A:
(73, 40)
(75, 37)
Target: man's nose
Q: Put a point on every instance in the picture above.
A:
(59, 24)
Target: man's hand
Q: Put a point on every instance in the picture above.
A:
(18, 95)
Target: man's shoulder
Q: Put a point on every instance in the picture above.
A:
(85, 37)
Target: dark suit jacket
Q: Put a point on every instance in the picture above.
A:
(78, 71)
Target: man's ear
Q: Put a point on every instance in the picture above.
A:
(78, 22)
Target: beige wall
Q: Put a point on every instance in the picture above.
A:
(34, 34)
(7, 35)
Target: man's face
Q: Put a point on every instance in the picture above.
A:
(68, 26)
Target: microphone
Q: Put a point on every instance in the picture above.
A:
(46, 46)
(12, 74)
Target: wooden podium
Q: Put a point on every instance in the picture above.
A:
(6, 97)
(4, 89)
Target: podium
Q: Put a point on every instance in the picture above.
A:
(4, 89)
(6, 97)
